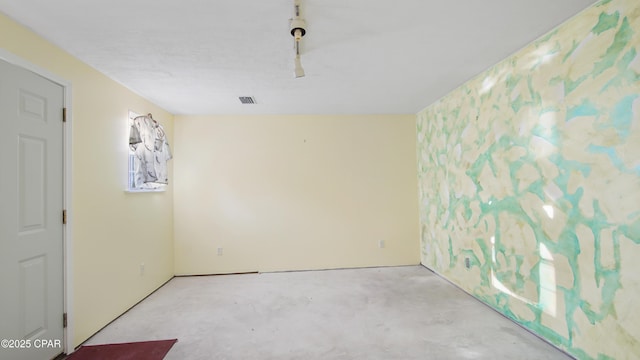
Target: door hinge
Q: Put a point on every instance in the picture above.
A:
(64, 114)
(64, 320)
(64, 217)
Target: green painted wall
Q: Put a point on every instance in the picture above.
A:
(531, 171)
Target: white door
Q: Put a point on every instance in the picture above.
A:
(31, 200)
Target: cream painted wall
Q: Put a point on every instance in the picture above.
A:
(294, 192)
(113, 231)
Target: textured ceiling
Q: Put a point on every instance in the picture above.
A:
(360, 56)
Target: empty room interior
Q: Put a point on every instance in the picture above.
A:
(352, 166)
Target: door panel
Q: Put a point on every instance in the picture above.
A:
(31, 201)
(33, 280)
(31, 184)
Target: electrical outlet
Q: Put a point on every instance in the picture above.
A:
(467, 262)
(381, 244)
(219, 251)
(141, 269)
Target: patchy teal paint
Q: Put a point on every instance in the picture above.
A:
(621, 40)
(597, 224)
(550, 134)
(517, 104)
(626, 75)
(613, 156)
(605, 357)
(606, 22)
(520, 279)
(570, 85)
(574, 46)
(627, 59)
(633, 215)
(584, 109)
(504, 183)
(452, 257)
(485, 267)
(568, 165)
(632, 231)
(512, 81)
(622, 116)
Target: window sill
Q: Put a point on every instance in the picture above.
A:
(136, 191)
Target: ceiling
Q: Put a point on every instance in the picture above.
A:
(360, 56)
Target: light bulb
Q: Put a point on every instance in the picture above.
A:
(299, 71)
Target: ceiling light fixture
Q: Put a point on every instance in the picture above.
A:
(297, 25)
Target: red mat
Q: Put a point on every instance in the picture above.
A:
(144, 350)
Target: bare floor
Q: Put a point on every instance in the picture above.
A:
(375, 313)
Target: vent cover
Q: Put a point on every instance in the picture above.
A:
(247, 99)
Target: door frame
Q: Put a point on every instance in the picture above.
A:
(66, 196)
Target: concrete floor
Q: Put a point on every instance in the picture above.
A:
(375, 313)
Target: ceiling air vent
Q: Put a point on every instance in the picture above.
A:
(247, 99)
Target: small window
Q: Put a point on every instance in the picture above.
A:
(148, 154)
